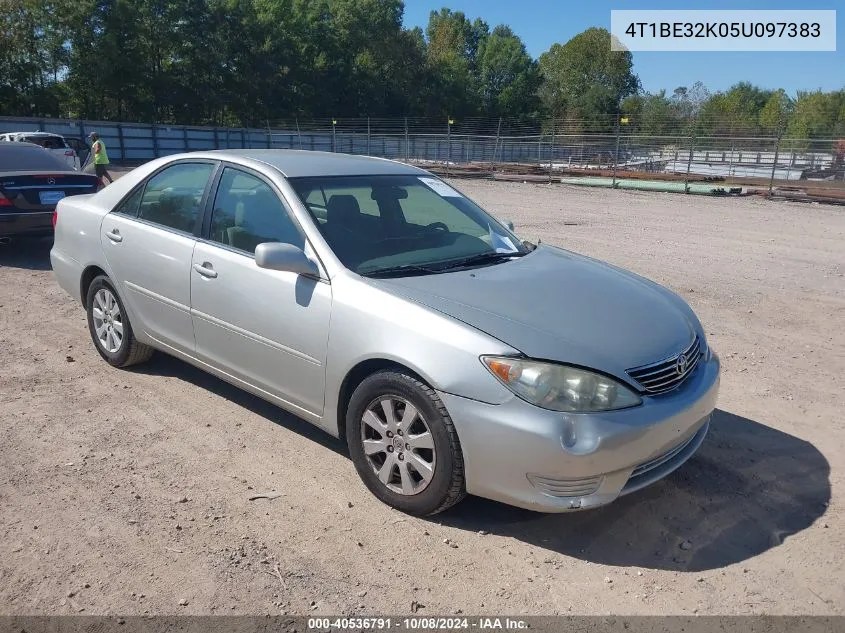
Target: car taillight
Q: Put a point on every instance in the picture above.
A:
(55, 217)
(70, 152)
(4, 201)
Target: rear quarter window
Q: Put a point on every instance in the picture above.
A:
(132, 204)
(15, 157)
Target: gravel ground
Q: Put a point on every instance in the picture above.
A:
(128, 491)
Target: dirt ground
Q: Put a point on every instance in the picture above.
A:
(127, 492)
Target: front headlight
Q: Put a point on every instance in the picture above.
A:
(559, 387)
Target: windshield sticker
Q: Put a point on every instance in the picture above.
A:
(440, 188)
(501, 243)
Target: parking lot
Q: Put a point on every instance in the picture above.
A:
(129, 491)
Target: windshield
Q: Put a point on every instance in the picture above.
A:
(417, 224)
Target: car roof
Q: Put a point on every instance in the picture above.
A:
(17, 145)
(295, 163)
(34, 134)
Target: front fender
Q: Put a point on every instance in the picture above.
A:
(369, 323)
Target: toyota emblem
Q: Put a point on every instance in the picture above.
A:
(681, 365)
(51, 181)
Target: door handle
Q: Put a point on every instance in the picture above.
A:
(205, 269)
(114, 235)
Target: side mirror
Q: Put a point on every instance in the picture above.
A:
(285, 257)
(508, 224)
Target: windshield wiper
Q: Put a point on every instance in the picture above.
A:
(405, 270)
(480, 258)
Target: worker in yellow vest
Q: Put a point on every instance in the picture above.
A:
(101, 157)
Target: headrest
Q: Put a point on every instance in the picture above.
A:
(342, 208)
(389, 193)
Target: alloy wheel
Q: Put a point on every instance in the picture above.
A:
(108, 320)
(398, 445)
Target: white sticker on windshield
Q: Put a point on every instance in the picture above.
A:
(440, 188)
(501, 243)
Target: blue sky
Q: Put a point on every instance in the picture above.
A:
(541, 23)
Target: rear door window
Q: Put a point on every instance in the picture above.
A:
(173, 196)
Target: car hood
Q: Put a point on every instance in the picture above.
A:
(556, 305)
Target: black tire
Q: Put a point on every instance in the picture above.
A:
(447, 485)
(130, 351)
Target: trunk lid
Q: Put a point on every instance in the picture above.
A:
(39, 192)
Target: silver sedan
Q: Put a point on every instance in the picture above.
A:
(376, 301)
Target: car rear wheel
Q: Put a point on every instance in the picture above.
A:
(404, 445)
(110, 328)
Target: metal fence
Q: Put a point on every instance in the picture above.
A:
(607, 147)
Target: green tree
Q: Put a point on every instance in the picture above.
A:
(373, 57)
(32, 57)
(818, 115)
(246, 62)
(508, 77)
(585, 77)
(735, 112)
(452, 56)
(774, 114)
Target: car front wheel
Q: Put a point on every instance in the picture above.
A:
(404, 445)
(110, 328)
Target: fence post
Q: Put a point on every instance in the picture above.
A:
(216, 139)
(496, 146)
(184, 137)
(269, 136)
(155, 140)
(406, 140)
(616, 155)
(689, 158)
(298, 134)
(243, 138)
(334, 137)
(777, 151)
(540, 147)
(552, 149)
(120, 141)
(40, 125)
(448, 142)
(731, 164)
(368, 137)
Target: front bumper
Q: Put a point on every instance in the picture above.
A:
(555, 462)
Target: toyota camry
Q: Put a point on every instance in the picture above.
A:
(376, 301)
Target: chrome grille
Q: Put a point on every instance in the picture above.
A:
(668, 374)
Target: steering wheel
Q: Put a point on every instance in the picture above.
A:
(438, 225)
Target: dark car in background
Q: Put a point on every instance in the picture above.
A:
(32, 182)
